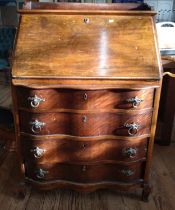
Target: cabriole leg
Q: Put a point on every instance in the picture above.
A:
(147, 189)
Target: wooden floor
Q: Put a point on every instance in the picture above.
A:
(162, 198)
(5, 96)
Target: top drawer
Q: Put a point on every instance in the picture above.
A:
(48, 99)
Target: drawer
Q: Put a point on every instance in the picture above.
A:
(87, 124)
(72, 151)
(47, 99)
(86, 173)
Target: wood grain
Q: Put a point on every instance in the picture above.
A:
(89, 173)
(87, 84)
(55, 99)
(153, 129)
(73, 151)
(94, 50)
(99, 47)
(85, 124)
(162, 196)
(76, 6)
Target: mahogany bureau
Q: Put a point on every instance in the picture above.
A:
(86, 82)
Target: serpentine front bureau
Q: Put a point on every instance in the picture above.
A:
(86, 82)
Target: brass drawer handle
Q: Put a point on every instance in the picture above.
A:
(40, 173)
(130, 152)
(38, 152)
(37, 126)
(35, 101)
(126, 172)
(132, 128)
(135, 101)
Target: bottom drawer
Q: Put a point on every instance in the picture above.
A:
(87, 173)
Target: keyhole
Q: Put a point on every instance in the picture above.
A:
(85, 96)
(84, 119)
(86, 20)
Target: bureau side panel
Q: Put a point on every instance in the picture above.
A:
(153, 129)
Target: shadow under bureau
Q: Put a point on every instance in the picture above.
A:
(86, 84)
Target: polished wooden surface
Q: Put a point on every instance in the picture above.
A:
(162, 197)
(85, 70)
(99, 46)
(151, 142)
(79, 6)
(86, 124)
(89, 173)
(73, 151)
(55, 99)
(88, 84)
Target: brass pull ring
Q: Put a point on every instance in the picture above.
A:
(130, 152)
(37, 126)
(35, 101)
(135, 101)
(38, 152)
(40, 173)
(127, 172)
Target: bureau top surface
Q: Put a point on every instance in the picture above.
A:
(81, 44)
